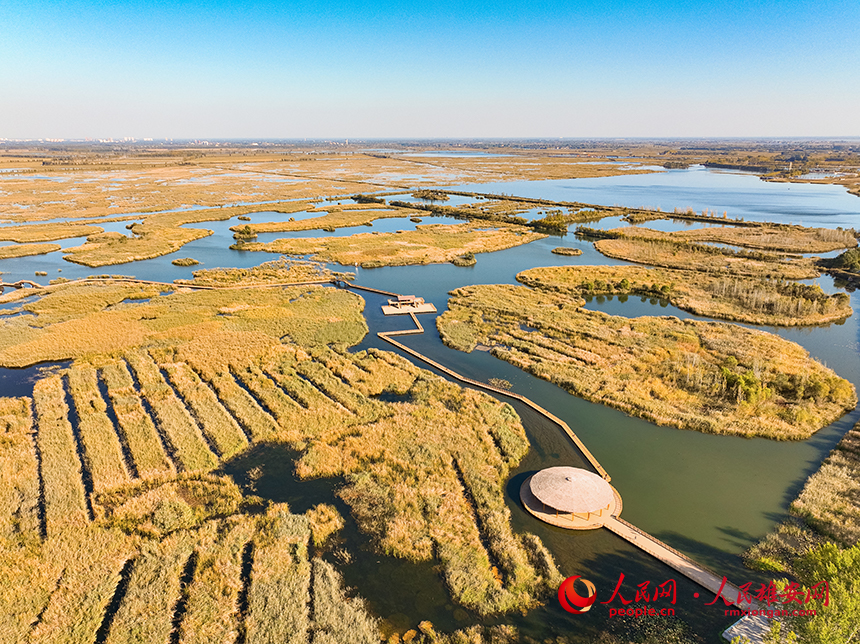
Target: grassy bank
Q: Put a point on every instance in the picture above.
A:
(742, 299)
(79, 320)
(707, 259)
(430, 244)
(27, 250)
(711, 377)
(783, 238)
(278, 271)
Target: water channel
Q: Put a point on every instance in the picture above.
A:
(709, 496)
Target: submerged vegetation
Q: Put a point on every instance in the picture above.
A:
(711, 377)
(756, 301)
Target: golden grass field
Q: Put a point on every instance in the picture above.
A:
(706, 259)
(427, 244)
(193, 379)
(741, 299)
(708, 376)
(772, 237)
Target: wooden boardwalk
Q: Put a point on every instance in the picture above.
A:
(642, 540)
(682, 563)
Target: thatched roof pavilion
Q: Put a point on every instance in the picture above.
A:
(570, 497)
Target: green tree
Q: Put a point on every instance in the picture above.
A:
(839, 621)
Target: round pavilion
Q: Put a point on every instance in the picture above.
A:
(570, 497)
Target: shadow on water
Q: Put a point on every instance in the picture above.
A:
(399, 591)
(19, 382)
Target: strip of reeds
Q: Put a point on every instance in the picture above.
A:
(149, 241)
(174, 420)
(337, 618)
(256, 421)
(783, 238)
(707, 259)
(281, 406)
(134, 423)
(428, 244)
(102, 450)
(279, 597)
(278, 271)
(64, 495)
(90, 562)
(744, 299)
(215, 421)
(825, 511)
(47, 232)
(212, 598)
(146, 611)
(334, 387)
(27, 250)
(19, 472)
(712, 377)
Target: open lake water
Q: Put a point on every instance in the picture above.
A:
(709, 496)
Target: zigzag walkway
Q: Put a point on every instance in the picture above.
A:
(751, 627)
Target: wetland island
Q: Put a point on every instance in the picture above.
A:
(212, 431)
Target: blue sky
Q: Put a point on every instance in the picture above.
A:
(261, 69)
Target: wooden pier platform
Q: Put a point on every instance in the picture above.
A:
(426, 307)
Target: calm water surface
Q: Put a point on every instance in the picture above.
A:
(708, 496)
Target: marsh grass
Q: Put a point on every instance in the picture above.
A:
(102, 449)
(212, 598)
(87, 564)
(711, 377)
(278, 271)
(752, 300)
(154, 508)
(337, 217)
(784, 238)
(828, 501)
(172, 416)
(47, 232)
(19, 473)
(27, 250)
(67, 326)
(338, 618)
(64, 495)
(825, 511)
(148, 242)
(279, 597)
(135, 424)
(146, 611)
(215, 421)
(706, 259)
(429, 244)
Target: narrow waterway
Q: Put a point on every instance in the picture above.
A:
(709, 496)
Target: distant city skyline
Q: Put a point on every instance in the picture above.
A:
(391, 70)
